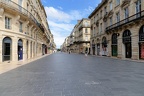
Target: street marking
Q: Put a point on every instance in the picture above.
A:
(92, 83)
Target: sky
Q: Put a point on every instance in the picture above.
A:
(62, 16)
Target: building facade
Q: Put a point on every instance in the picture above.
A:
(118, 29)
(83, 36)
(24, 30)
(79, 39)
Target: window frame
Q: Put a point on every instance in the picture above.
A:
(7, 22)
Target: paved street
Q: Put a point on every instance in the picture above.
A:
(63, 74)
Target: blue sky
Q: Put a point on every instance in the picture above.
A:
(62, 15)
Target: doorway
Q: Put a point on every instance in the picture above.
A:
(141, 42)
(114, 44)
(98, 49)
(128, 50)
(7, 42)
(20, 49)
(127, 43)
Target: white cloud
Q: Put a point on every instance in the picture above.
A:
(60, 8)
(89, 9)
(60, 16)
(61, 23)
(63, 26)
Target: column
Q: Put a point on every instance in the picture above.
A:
(1, 41)
(135, 40)
(24, 49)
(109, 48)
(29, 48)
(14, 49)
(120, 46)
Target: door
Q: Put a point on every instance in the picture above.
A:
(128, 50)
(20, 53)
(93, 49)
(98, 49)
(7, 49)
(114, 50)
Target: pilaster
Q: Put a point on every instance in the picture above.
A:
(135, 46)
(120, 46)
(1, 41)
(24, 50)
(14, 49)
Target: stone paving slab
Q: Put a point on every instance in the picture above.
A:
(63, 74)
(7, 65)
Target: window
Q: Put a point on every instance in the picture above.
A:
(20, 5)
(97, 17)
(20, 27)
(94, 32)
(7, 0)
(105, 24)
(138, 7)
(118, 16)
(86, 38)
(101, 14)
(100, 27)
(117, 2)
(86, 30)
(126, 13)
(7, 23)
(105, 10)
(110, 5)
(110, 21)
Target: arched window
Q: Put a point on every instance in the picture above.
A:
(141, 34)
(104, 42)
(7, 42)
(114, 38)
(127, 36)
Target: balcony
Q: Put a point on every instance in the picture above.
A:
(84, 26)
(126, 21)
(41, 27)
(12, 7)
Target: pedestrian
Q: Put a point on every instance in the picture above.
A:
(85, 53)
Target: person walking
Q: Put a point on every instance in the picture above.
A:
(86, 53)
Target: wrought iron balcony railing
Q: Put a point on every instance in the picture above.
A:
(128, 20)
(84, 26)
(20, 9)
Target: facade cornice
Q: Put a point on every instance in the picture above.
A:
(98, 7)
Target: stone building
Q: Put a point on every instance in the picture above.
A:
(83, 36)
(117, 28)
(79, 39)
(24, 30)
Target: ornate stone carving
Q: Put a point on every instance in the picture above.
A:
(97, 23)
(125, 2)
